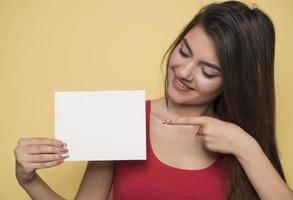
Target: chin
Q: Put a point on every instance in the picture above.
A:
(178, 99)
(187, 100)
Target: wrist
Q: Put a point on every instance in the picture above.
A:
(247, 148)
(24, 179)
(29, 184)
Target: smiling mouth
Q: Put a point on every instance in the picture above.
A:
(181, 85)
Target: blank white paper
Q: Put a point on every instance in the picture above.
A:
(102, 125)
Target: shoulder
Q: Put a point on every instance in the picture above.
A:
(158, 107)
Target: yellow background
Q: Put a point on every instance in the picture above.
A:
(60, 45)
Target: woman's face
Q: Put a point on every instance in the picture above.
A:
(194, 73)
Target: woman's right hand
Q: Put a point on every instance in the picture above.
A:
(37, 153)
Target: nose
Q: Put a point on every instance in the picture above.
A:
(185, 71)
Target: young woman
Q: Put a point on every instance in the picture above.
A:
(213, 134)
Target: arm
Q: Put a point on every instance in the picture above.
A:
(225, 137)
(38, 153)
(38, 189)
(263, 176)
(97, 181)
(96, 184)
(32, 154)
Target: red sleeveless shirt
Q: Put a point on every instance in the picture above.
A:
(151, 179)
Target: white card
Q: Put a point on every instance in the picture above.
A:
(102, 125)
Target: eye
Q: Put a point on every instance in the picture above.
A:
(183, 52)
(207, 74)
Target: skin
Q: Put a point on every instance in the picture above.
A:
(191, 62)
(188, 124)
(187, 62)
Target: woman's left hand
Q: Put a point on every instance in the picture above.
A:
(218, 135)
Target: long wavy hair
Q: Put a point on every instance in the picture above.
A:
(244, 39)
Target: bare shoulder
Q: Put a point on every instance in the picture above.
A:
(158, 108)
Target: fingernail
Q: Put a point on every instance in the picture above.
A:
(60, 162)
(167, 121)
(65, 155)
(64, 150)
(59, 143)
(64, 145)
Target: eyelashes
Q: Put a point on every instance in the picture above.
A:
(186, 55)
(182, 53)
(209, 76)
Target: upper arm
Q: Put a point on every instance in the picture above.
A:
(97, 181)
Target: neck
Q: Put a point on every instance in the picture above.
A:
(185, 110)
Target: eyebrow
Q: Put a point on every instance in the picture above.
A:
(210, 65)
(214, 66)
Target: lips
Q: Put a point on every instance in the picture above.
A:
(179, 85)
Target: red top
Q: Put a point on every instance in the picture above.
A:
(151, 179)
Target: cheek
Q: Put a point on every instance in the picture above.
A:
(173, 62)
(175, 58)
(209, 87)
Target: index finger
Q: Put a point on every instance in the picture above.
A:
(39, 141)
(185, 121)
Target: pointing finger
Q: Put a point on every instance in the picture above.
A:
(185, 121)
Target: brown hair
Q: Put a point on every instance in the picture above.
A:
(245, 43)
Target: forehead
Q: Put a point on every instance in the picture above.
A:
(202, 46)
